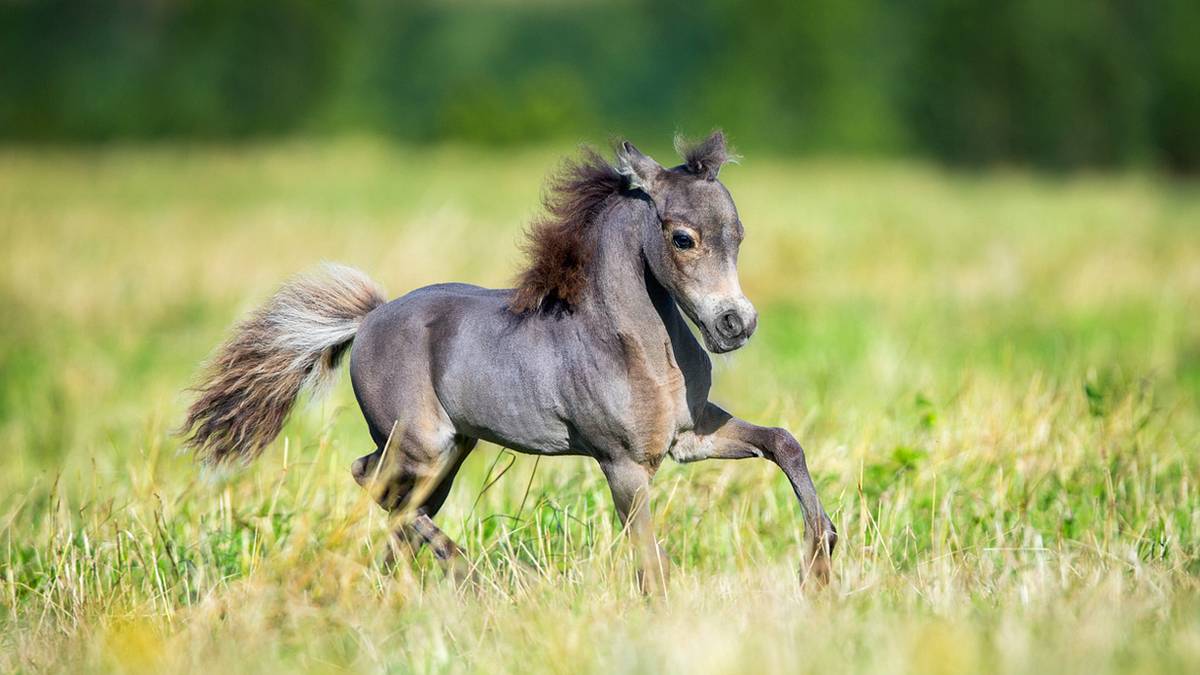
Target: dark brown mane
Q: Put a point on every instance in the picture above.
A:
(555, 242)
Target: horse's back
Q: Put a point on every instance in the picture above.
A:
(456, 350)
(426, 308)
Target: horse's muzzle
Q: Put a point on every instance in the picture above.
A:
(733, 328)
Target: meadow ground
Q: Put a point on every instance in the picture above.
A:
(996, 377)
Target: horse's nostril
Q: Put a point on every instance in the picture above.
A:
(730, 325)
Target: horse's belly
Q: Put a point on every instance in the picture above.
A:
(524, 432)
(507, 407)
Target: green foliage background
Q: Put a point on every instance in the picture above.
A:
(1058, 84)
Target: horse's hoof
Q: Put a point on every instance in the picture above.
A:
(818, 574)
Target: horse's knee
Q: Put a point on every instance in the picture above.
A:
(784, 445)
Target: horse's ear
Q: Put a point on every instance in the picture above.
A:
(643, 172)
(706, 157)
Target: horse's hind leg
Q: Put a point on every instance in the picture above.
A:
(411, 478)
(422, 527)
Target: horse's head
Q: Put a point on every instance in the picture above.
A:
(692, 250)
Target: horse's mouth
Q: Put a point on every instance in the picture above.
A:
(716, 345)
(723, 349)
(713, 342)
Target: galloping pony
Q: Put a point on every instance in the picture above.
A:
(589, 355)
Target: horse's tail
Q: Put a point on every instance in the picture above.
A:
(296, 339)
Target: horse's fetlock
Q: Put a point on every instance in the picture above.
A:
(829, 537)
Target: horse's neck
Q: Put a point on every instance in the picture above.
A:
(623, 294)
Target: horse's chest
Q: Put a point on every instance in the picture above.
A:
(658, 400)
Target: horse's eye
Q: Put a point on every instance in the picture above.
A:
(682, 240)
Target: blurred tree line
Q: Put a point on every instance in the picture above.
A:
(1059, 84)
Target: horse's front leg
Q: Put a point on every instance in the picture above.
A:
(630, 486)
(720, 435)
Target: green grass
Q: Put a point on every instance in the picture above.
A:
(996, 377)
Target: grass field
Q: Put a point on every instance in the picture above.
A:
(996, 377)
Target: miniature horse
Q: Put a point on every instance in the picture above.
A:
(589, 355)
